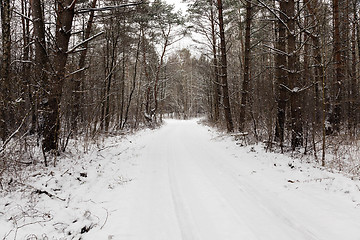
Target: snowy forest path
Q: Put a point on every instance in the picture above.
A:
(188, 187)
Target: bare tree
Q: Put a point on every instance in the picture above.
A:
(81, 74)
(51, 85)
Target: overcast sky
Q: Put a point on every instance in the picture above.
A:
(185, 42)
(178, 4)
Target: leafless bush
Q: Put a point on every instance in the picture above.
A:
(343, 154)
(18, 154)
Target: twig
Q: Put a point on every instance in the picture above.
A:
(111, 146)
(14, 133)
(38, 191)
(122, 151)
(107, 216)
(64, 173)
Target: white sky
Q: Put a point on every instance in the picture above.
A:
(185, 42)
(179, 5)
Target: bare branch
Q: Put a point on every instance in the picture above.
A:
(107, 8)
(13, 134)
(77, 71)
(85, 41)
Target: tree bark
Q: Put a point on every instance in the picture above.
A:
(339, 71)
(133, 83)
(6, 108)
(247, 62)
(51, 99)
(216, 83)
(281, 76)
(295, 97)
(79, 78)
(31, 100)
(41, 68)
(110, 76)
(354, 84)
(226, 98)
(166, 35)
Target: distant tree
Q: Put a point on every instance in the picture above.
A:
(162, 21)
(202, 14)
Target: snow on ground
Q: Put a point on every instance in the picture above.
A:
(182, 181)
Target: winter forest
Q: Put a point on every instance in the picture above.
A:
(79, 78)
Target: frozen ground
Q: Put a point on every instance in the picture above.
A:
(183, 181)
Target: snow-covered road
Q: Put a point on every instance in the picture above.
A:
(184, 181)
(189, 187)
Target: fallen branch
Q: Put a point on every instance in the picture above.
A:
(38, 191)
(111, 146)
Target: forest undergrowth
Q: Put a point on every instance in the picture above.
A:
(342, 151)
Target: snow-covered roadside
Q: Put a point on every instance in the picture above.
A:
(71, 199)
(296, 174)
(183, 181)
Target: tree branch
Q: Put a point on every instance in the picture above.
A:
(85, 41)
(107, 8)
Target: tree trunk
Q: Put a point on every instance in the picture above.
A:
(51, 114)
(109, 79)
(79, 78)
(166, 36)
(147, 113)
(41, 66)
(247, 62)
(133, 83)
(281, 76)
(339, 71)
(122, 87)
(215, 83)
(6, 112)
(354, 83)
(226, 98)
(295, 97)
(30, 100)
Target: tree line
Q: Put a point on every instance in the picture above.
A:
(286, 71)
(82, 68)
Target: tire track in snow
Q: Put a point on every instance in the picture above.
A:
(197, 216)
(184, 217)
(250, 196)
